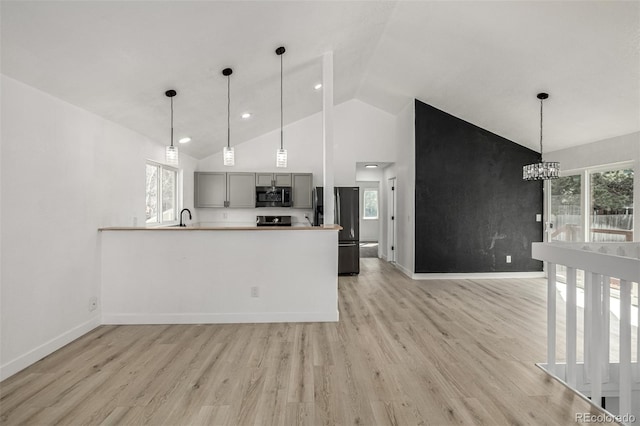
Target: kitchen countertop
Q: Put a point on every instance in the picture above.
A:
(225, 228)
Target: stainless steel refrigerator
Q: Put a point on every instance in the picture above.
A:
(347, 215)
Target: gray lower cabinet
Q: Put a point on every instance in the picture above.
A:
(301, 190)
(241, 190)
(210, 189)
(220, 189)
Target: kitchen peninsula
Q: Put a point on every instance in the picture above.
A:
(194, 275)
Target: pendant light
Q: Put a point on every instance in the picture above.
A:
(228, 153)
(281, 154)
(544, 170)
(171, 153)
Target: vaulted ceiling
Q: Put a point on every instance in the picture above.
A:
(481, 61)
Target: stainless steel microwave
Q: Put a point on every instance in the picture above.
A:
(273, 196)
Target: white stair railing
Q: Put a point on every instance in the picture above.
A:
(597, 376)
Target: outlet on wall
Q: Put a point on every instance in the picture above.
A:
(254, 292)
(508, 259)
(93, 304)
(538, 217)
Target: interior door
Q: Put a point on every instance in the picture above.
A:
(391, 221)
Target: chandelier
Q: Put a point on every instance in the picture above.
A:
(543, 170)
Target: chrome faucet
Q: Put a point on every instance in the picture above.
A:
(182, 211)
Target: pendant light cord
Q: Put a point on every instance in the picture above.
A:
(541, 101)
(228, 111)
(281, 120)
(171, 121)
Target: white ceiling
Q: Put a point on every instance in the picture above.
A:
(481, 61)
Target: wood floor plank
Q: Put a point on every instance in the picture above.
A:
(405, 352)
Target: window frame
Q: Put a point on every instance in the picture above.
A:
(586, 196)
(177, 194)
(364, 210)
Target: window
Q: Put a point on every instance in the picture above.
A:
(593, 205)
(370, 197)
(565, 209)
(161, 194)
(611, 206)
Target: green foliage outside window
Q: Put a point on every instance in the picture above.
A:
(370, 204)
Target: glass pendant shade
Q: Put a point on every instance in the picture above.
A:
(228, 156)
(171, 156)
(541, 171)
(281, 158)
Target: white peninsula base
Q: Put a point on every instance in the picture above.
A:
(212, 275)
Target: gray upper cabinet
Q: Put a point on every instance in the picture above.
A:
(220, 189)
(273, 179)
(264, 179)
(282, 179)
(241, 190)
(301, 191)
(210, 189)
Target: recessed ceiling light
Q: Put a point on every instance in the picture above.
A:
(185, 140)
(318, 86)
(246, 115)
(371, 166)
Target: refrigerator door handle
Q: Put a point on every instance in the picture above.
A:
(347, 244)
(338, 221)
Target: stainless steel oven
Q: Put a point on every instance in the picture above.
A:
(273, 196)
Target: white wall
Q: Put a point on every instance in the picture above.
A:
(65, 173)
(608, 151)
(362, 133)
(405, 188)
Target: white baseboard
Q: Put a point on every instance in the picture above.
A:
(36, 354)
(404, 270)
(476, 275)
(224, 318)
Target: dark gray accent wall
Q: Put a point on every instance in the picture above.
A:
(472, 206)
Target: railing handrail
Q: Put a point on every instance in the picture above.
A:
(607, 264)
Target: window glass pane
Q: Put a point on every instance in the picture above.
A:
(565, 209)
(169, 195)
(612, 206)
(370, 204)
(152, 194)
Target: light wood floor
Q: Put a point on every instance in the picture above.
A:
(404, 352)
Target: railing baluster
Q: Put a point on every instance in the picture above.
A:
(572, 327)
(625, 347)
(596, 350)
(597, 376)
(606, 327)
(586, 333)
(638, 334)
(551, 318)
